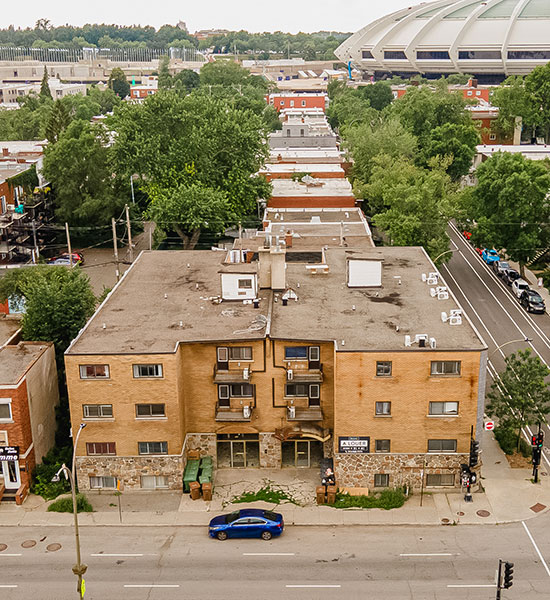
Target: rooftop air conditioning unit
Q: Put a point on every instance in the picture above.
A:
(442, 293)
(432, 343)
(291, 412)
(431, 281)
(246, 412)
(444, 317)
(289, 374)
(421, 338)
(408, 340)
(246, 373)
(455, 320)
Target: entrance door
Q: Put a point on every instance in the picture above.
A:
(302, 454)
(12, 477)
(237, 454)
(238, 450)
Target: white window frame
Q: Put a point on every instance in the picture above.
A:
(445, 412)
(222, 354)
(314, 391)
(435, 373)
(314, 354)
(155, 479)
(441, 451)
(382, 414)
(151, 416)
(102, 480)
(83, 374)
(386, 477)
(235, 350)
(245, 284)
(149, 453)
(86, 414)
(156, 366)
(7, 402)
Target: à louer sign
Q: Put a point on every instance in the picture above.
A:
(353, 445)
(9, 453)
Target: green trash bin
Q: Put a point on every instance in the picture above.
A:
(206, 461)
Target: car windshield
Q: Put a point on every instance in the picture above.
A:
(535, 298)
(270, 515)
(513, 274)
(493, 252)
(503, 265)
(232, 517)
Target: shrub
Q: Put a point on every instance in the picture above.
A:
(265, 494)
(507, 439)
(43, 473)
(66, 504)
(386, 499)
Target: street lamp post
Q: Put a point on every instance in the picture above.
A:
(443, 254)
(79, 568)
(525, 339)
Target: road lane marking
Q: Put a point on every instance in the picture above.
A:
(431, 554)
(10, 554)
(269, 554)
(8, 586)
(314, 586)
(151, 585)
(472, 585)
(117, 555)
(536, 548)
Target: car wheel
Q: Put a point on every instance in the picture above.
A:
(221, 535)
(266, 535)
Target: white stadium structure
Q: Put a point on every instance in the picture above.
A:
(490, 39)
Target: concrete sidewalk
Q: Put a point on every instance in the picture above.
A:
(508, 496)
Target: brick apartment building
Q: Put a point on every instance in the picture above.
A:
(279, 355)
(282, 101)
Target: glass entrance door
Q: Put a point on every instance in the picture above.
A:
(237, 454)
(238, 450)
(302, 454)
(12, 477)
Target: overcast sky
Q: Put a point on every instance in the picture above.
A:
(282, 15)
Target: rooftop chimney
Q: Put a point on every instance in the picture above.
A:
(272, 267)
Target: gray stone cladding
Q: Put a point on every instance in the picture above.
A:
(358, 470)
(204, 442)
(270, 451)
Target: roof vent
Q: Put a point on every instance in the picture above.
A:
(440, 292)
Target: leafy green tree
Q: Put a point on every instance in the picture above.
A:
(186, 80)
(350, 108)
(378, 94)
(58, 302)
(513, 101)
(228, 73)
(45, 92)
(537, 86)
(189, 209)
(457, 142)
(80, 171)
(58, 120)
(165, 78)
(510, 205)
(118, 83)
(522, 396)
(106, 99)
(412, 204)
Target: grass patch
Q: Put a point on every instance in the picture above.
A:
(386, 499)
(266, 494)
(66, 505)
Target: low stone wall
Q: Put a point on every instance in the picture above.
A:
(358, 470)
(204, 442)
(129, 469)
(270, 451)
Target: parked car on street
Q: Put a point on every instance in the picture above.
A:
(500, 266)
(78, 259)
(479, 251)
(519, 286)
(532, 301)
(490, 256)
(467, 234)
(510, 275)
(252, 522)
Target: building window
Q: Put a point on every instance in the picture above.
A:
(479, 55)
(303, 102)
(441, 445)
(240, 353)
(302, 390)
(366, 54)
(102, 483)
(383, 409)
(445, 367)
(5, 409)
(97, 411)
(94, 371)
(292, 103)
(432, 55)
(529, 54)
(492, 136)
(245, 284)
(282, 103)
(235, 390)
(394, 55)
(153, 447)
(147, 371)
(440, 479)
(382, 445)
(469, 93)
(443, 408)
(381, 480)
(383, 368)
(154, 482)
(148, 411)
(105, 448)
(295, 352)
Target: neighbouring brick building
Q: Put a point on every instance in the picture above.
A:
(281, 101)
(278, 355)
(28, 397)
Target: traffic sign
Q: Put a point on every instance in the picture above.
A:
(489, 425)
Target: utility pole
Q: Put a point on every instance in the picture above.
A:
(537, 442)
(130, 246)
(113, 222)
(35, 242)
(132, 188)
(69, 243)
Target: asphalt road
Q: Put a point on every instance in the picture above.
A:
(389, 563)
(495, 311)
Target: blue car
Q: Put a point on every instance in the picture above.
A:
(490, 256)
(250, 523)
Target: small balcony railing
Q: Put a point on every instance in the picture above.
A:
(305, 375)
(228, 414)
(241, 375)
(310, 413)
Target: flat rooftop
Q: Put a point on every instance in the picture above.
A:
(306, 155)
(282, 168)
(532, 151)
(137, 317)
(166, 298)
(8, 326)
(382, 316)
(16, 360)
(10, 169)
(324, 187)
(23, 147)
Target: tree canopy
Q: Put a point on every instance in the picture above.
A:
(118, 83)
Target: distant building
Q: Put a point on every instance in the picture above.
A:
(205, 34)
(148, 87)
(10, 92)
(281, 100)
